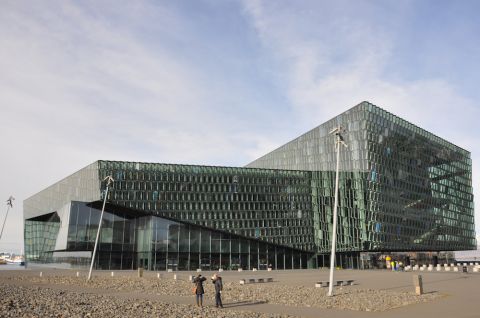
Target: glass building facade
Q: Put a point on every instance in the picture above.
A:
(401, 189)
(162, 216)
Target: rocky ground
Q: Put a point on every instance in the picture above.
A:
(34, 301)
(273, 293)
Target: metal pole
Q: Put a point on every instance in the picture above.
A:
(4, 221)
(334, 231)
(338, 142)
(109, 180)
(9, 205)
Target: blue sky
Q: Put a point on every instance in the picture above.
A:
(219, 82)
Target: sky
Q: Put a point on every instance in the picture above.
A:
(219, 82)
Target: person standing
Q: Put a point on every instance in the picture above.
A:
(199, 291)
(217, 281)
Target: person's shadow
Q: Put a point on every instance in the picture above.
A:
(244, 303)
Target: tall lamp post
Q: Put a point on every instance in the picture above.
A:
(109, 180)
(337, 132)
(9, 205)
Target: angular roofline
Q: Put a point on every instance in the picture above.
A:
(70, 175)
(163, 163)
(307, 132)
(205, 166)
(416, 126)
(366, 103)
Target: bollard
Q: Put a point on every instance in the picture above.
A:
(78, 274)
(41, 274)
(175, 276)
(417, 282)
(158, 275)
(140, 272)
(112, 274)
(190, 278)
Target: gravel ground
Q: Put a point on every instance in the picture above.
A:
(34, 301)
(273, 293)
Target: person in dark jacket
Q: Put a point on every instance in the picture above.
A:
(217, 281)
(198, 281)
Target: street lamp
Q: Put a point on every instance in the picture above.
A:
(338, 141)
(109, 180)
(9, 205)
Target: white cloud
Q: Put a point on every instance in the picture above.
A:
(83, 81)
(88, 81)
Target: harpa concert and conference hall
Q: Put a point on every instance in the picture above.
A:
(401, 189)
